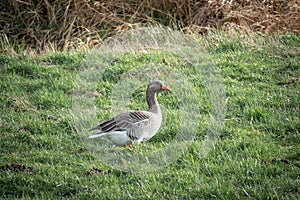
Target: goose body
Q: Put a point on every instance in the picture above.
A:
(134, 127)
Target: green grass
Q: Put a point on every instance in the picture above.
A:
(257, 155)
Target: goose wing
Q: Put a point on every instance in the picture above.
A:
(133, 123)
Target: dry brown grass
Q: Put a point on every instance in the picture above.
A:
(67, 24)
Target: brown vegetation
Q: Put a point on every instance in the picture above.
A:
(65, 24)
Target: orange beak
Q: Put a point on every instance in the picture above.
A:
(165, 88)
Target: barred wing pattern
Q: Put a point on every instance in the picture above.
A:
(134, 123)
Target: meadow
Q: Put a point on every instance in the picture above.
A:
(257, 155)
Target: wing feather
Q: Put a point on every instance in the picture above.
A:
(129, 122)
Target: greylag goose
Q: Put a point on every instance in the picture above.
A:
(134, 127)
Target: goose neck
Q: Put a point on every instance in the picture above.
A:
(152, 101)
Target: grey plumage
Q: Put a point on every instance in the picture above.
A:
(134, 126)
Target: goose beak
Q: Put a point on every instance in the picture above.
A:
(165, 88)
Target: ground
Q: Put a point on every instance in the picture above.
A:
(256, 156)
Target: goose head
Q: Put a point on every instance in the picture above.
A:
(157, 86)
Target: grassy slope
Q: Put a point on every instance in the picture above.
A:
(258, 154)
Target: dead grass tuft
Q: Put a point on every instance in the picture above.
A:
(22, 105)
(69, 24)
